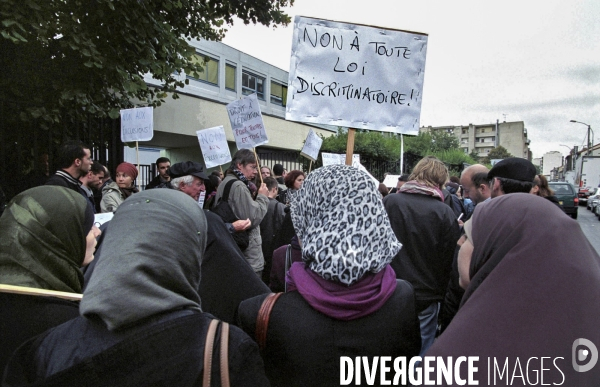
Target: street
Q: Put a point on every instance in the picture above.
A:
(590, 225)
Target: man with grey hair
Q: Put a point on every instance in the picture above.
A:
(188, 177)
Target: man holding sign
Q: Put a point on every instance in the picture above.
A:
(241, 172)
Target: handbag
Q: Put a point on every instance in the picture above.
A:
(262, 319)
(209, 353)
(223, 209)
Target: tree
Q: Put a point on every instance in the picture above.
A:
(497, 153)
(89, 57)
(443, 141)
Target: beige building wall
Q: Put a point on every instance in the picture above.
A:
(484, 138)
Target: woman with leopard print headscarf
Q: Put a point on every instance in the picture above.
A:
(343, 299)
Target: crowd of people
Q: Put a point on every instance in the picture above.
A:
(308, 268)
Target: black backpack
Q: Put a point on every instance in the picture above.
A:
(241, 238)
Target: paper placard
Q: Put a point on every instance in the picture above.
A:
(213, 144)
(356, 76)
(391, 181)
(334, 158)
(312, 145)
(137, 124)
(100, 219)
(247, 123)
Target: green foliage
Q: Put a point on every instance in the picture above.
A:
(370, 144)
(79, 57)
(443, 141)
(474, 155)
(497, 153)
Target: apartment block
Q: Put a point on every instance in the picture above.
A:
(484, 138)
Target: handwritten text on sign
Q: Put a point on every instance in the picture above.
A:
(312, 145)
(247, 123)
(213, 144)
(137, 124)
(356, 76)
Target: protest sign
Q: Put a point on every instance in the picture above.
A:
(137, 124)
(247, 123)
(334, 158)
(391, 181)
(311, 146)
(356, 76)
(213, 144)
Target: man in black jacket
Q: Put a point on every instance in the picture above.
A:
(162, 180)
(428, 231)
(74, 161)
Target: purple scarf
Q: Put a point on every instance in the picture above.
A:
(340, 301)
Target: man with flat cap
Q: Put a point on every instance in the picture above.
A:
(188, 177)
(511, 175)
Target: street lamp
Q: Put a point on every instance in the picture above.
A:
(590, 141)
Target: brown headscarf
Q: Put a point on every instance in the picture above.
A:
(535, 289)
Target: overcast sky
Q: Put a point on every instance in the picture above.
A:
(527, 60)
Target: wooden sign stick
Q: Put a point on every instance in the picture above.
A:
(258, 163)
(40, 292)
(350, 146)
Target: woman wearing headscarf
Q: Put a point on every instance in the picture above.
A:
(114, 193)
(46, 235)
(141, 322)
(533, 291)
(343, 299)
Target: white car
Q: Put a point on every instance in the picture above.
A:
(593, 201)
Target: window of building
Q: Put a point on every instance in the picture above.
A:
(230, 76)
(278, 93)
(464, 131)
(252, 83)
(210, 69)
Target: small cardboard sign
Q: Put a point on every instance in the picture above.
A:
(213, 144)
(312, 145)
(247, 123)
(137, 124)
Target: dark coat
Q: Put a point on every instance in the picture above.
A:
(26, 316)
(428, 231)
(157, 182)
(304, 346)
(165, 350)
(269, 226)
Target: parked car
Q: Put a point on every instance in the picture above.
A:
(593, 202)
(567, 197)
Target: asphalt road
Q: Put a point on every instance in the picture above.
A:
(590, 225)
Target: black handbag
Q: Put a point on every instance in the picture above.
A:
(241, 238)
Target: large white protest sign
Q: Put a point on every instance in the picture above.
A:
(312, 145)
(334, 158)
(213, 144)
(137, 124)
(356, 76)
(247, 123)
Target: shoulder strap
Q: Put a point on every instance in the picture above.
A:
(224, 353)
(262, 320)
(208, 351)
(225, 196)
